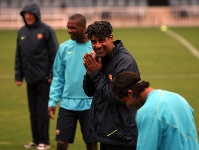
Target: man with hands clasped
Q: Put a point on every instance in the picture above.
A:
(111, 123)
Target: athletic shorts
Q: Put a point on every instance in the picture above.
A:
(67, 123)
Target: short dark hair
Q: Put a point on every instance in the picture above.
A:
(125, 81)
(99, 29)
(80, 18)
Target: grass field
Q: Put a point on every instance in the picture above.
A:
(162, 60)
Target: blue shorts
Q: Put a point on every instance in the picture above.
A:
(67, 123)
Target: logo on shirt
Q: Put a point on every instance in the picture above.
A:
(39, 36)
(23, 37)
(69, 53)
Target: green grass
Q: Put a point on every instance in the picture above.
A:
(162, 60)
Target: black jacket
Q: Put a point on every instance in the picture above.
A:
(111, 122)
(36, 49)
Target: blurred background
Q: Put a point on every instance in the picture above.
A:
(122, 13)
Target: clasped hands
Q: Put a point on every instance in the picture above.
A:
(91, 64)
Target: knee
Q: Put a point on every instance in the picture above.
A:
(62, 145)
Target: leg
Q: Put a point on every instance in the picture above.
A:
(83, 116)
(102, 146)
(61, 145)
(42, 114)
(66, 128)
(91, 146)
(32, 105)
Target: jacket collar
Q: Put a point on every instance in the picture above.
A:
(118, 47)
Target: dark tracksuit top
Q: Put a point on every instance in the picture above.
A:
(36, 49)
(111, 122)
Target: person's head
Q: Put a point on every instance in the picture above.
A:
(127, 86)
(76, 27)
(30, 13)
(100, 34)
(29, 18)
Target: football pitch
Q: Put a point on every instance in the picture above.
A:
(168, 60)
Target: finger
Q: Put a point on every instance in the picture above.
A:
(51, 113)
(85, 63)
(52, 116)
(91, 59)
(88, 59)
(85, 55)
(49, 80)
(93, 53)
(100, 61)
(18, 83)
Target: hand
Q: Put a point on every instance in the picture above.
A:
(93, 53)
(49, 80)
(91, 64)
(51, 112)
(18, 83)
(110, 77)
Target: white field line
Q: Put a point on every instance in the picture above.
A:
(149, 76)
(184, 42)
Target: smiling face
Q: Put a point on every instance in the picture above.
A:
(75, 30)
(102, 47)
(29, 18)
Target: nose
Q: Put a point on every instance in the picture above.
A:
(98, 44)
(27, 14)
(69, 30)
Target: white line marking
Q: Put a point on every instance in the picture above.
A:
(184, 42)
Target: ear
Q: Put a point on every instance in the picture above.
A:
(130, 93)
(84, 27)
(111, 37)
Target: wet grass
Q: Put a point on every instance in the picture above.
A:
(162, 60)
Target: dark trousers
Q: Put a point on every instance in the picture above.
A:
(104, 146)
(38, 96)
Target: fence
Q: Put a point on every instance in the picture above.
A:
(118, 16)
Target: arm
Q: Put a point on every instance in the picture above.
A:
(18, 65)
(102, 82)
(149, 131)
(88, 86)
(57, 85)
(52, 45)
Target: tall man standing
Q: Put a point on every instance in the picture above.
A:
(35, 52)
(66, 87)
(112, 123)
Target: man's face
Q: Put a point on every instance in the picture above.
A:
(75, 30)
(102, 47)
(129, 100)
(29, 18)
